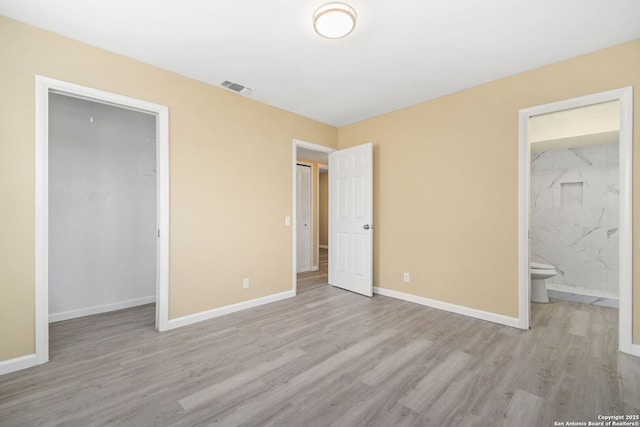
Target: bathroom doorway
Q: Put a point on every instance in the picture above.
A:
(575, 199)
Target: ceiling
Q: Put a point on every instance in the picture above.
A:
(402, 52)
(577, 127)
(314, 156)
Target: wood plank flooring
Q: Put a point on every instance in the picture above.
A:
(317, 278)
(328, 358)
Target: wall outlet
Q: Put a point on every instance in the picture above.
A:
(287, 220)
(406, 277)
(245, 283)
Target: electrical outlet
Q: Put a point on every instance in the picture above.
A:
(287, 220)
(245, 283)
(406, 277)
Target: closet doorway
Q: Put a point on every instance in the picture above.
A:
(101, 205)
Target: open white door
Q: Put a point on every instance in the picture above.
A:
(351, 219)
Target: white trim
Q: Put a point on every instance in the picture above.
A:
(625, 97)
(453, 308)
(162, 264)
(228, 309)
(524, 277)
(625, 290)
(635, 350)
(44, 85)
(315, 189)
(309, 146)
(88, 311)
(42, 222)
(596, 293)
(18, 364)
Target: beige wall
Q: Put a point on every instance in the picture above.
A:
(323, 195)
(230, 178)
(446, 181)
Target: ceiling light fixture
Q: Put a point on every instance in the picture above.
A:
(334, 20)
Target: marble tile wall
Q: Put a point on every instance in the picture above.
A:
(574, 216)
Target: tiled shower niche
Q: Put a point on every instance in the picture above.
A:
(571, 194)
(574, 217)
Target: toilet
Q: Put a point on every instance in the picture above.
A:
(539, 275)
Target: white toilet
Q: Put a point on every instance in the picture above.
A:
(539, 275)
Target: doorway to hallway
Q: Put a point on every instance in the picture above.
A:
(349, 213)
(313, 279)
(311, 241)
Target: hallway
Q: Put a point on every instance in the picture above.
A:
(313, 279)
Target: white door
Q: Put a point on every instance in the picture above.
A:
(351, 219)
(303, 218)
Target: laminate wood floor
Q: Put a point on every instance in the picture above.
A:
(328, 358)
(317, 278)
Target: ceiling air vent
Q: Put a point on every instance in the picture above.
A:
(238, 88)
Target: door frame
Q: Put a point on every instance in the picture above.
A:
(311, 207)
(309, 146)
(43, 86)
(625, 98)
(321, 167)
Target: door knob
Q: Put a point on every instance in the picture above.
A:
(367, 226)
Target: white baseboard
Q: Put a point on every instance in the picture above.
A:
(315, 268)
(88, 311)
(220, 311)
(17, 364)
(635, 350)
(597, 293)
(453, 308)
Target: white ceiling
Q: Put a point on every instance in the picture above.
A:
(314, 156)
(587, 120)
(402, 52)
(578, 127)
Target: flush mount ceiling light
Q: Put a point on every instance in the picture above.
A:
(334, 20)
